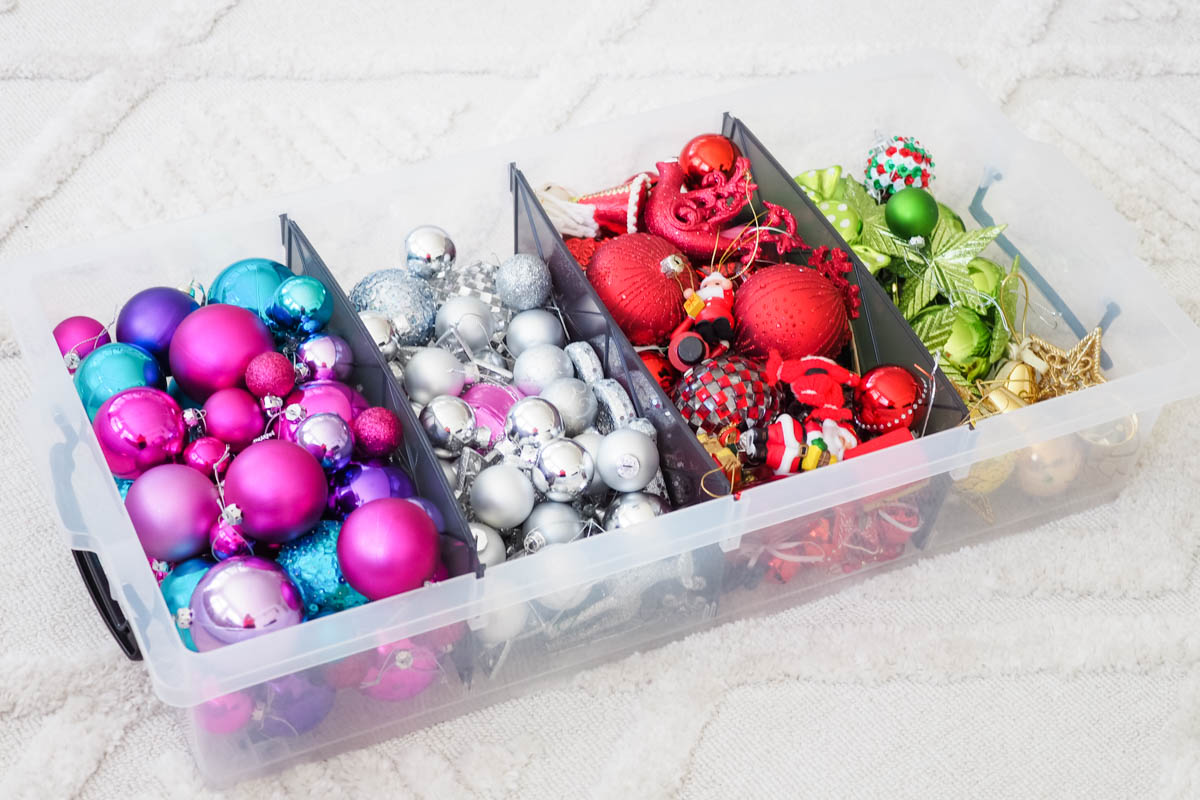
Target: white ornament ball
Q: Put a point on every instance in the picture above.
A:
(502, 496)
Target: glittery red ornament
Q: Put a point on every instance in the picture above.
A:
(795, 311)
(726, 391)
(581, 249)
(376, 432)
(644, 294)
(707, 153)
(890, 397)
(660, 368)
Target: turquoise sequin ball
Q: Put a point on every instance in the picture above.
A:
(312, 563)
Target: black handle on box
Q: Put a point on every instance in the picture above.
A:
(96, 583)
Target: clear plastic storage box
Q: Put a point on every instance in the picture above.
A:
(484, 638)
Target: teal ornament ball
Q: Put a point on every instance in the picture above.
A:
(176, 391)
(249, 283)
(123, 485)
(911, 212)
(113, 368)
(300, 305)
(312, 563)
(177, 588)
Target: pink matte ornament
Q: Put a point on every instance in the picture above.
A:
(212, 347)
(280, 489)
(387, 547)
(319, 397)
(139, 428)
(209, 455)
(226, 714)
(172, 507)
(78, 336)
(235, 417)
(270, 374)
(377, 432)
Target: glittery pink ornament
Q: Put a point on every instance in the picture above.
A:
(320, 397)
(279, 488)
(270, 373)
(172, 508)
(401, 670)
(209, 455)
(491, 403)
(78, 336)
(234, 416)
(386, 547)
(212, 347)
(226, 714)
(139, 428)
(377, 432)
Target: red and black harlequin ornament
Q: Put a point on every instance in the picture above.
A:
(726, 391)
(890, 397)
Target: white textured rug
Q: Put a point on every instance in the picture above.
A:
(1059, 662)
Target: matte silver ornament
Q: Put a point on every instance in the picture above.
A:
(523, 282)
(403, 298)
(427, 250)
(615, 409)
(563, 470)
(587, 364)
(450, 470)
(531, 422)
(534, 327)
(575, 403)
(628, 460)
(539, 366)
(590, 441)
(449, 422)
(627, 510)
(489, 545)
(502, 496)
(470, 317)
(380, 329)
(551, 523)
(432, 371)
(560, 561)
(657, 484)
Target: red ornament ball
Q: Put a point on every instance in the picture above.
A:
(644, 296)
(377, 432)
(270, 373)
(890, 397)
(725, 391)
(708, 152)
(660, 368)
(793, 310)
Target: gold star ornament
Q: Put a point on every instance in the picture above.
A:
(1068, 370)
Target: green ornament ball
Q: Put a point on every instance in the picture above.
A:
(911, 212)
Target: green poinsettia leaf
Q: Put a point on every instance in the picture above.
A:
(953, 373)
(1001, 335)
(916, 292)
(950, 255)
(933, 326)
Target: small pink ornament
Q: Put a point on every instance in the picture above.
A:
(139, 428)
(386, 547)
(280, 489)
(442, 640)
(209, 455)
(160, 568)
(270, 373)
(319, 397)
(491, 403)
(226, 714)
(172, 508)
(78, 336)
(401, 670)
(349, 671)
(234, 416)
(213, 346)
(226, 539)
(377, 432)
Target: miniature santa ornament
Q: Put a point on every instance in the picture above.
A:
(713, 313)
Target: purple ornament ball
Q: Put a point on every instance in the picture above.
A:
(432, 510)
(491, 403)
(295, 704)
(328, 439)
(150, 317)
(320, 397)
(401, 670)
(387, 547)
(78, 336)
(359, 484)
(234, 416)
(327, 357)
(226, 714)
(240, 598)
(172, 507)
(280, 489)
(213, 346)
(139, 428)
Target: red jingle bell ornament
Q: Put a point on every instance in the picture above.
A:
(890, 397)
(641, 278)
(708, 152)
(793, 310)
(724, 392)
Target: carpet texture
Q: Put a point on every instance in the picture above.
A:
(1063, 661)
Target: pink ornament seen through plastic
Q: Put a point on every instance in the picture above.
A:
(401, 670)
(226, 714)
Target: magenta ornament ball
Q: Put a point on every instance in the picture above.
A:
(491, 403)
(240, 598)
(400, 670)
(270, 374)
(139, 428)
(213, 346)
(234, 416)
(226, 714)
(320, 397)
(78, 336)
(172, 507)
(209, 455)
(280, 489)
(377, 432)
(386, 547)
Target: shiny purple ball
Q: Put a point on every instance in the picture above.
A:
(139, 428)
(212, 347)
(491, 403)
(327, 357)
(400, 670)
(241, 598)
(295, 704)
(328, 439)
(226, 540)
(172, 507)
(78, 336)
(320, 397)
(359, 484)
(280, 489)
(387, 547)
(150, 317)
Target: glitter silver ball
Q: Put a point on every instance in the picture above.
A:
(489, 544)
(628, 460)
(380, 329)
(563, 470)
(502, 496)
(402, 297)
(590, 441)
(523, 282)
(427, 250)
(449, 423)
(471, 317)
(627, 510)
(539, 366)
(534, 327)
(432, 371)
(575, 402)
(551, 523)
(532, 422)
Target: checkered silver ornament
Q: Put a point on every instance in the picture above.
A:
(726, 391)
(477, 279)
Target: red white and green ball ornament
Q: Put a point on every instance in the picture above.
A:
(896, 164)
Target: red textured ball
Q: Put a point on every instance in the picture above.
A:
(708, 152)
(270, 373)
(890, 397)
(377, 432)
(793, 310)
(644, 297)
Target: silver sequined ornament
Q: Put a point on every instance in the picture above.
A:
(402, 297)
(627, 510)
(587, 364)
(470, 317)
(432, 371)
(380, 329)
(628, 460)
(563, 470)
(539, 366)
(490, 546)
(575, 403)
(551, 523)
(531, 422)
(590, 441)
(533, 327)
(427, 250)
(449, 422)
(615, 408)
(502, 496)
(523, 282)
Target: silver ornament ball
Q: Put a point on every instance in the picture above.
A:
(450, 470)
(427, 250)
(551, 523)
(590, 441)
(563, 470)
(471, 317)
(449, 422)
(628, 460)
(523, 282)
(539, 366)
(627, 510)
(379, 327)
(403, 298)
(531, 422)
(534, 327)
(489, 546)
(575, 402)
(502, 496)
(559, 561)
(432, 371)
